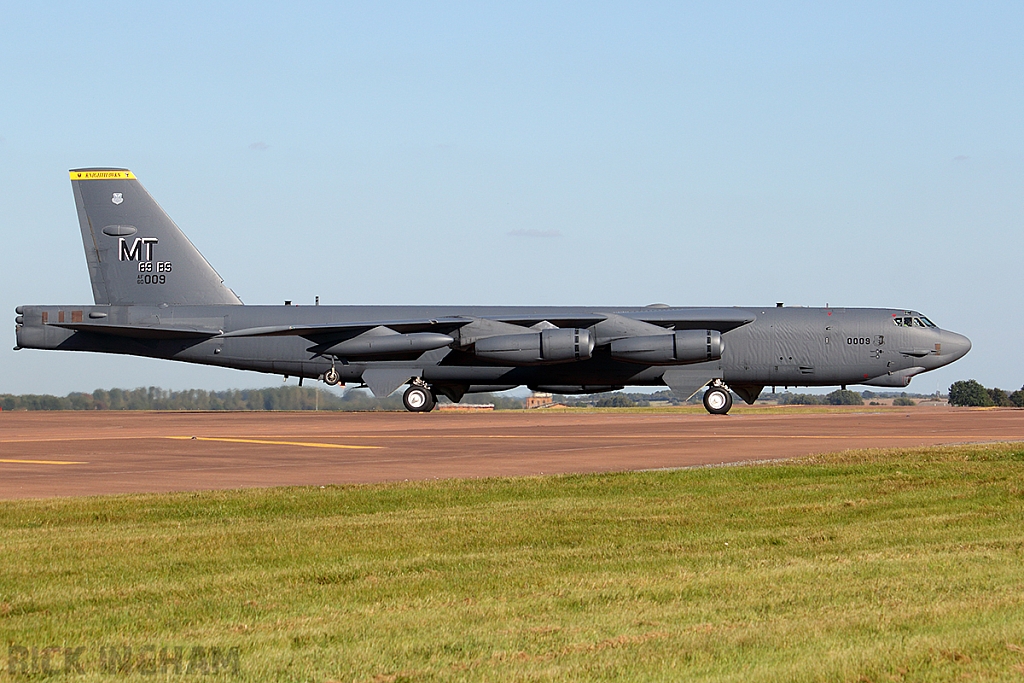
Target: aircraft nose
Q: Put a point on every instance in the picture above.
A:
(954, 346)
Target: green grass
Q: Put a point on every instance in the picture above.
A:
(865, 565)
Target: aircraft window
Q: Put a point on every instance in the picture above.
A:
(918, 323)
(908, 322)
(898, 322)
(927, 322)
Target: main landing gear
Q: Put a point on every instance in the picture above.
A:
(717, 399)
(418, 398)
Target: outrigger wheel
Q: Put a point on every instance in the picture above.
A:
(332, 377)
(717, 400)
(418, 399)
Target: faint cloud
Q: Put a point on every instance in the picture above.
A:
(962, 157)
(529, 232)
(259, 146)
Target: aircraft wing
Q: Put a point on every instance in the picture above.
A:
(668, 318)
(141, 331)
(722, 320)
(314, 332)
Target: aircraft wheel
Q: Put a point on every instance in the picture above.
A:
(332, 377)
(418, 399)
(717, 400)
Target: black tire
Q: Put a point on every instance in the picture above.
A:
(331, 377)
(418, 399)
(717, 400)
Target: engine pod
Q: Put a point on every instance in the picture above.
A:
(684, 346)
(536, 348)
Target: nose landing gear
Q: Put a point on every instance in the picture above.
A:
(717, 399)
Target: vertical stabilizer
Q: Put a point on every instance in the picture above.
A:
(136, 254)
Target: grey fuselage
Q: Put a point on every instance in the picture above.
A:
(789, 346)
(156, 296)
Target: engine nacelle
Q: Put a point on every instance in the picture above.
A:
(535, 348)
(684, 346)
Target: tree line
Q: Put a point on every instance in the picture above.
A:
(963, 393)
(840, 397)
(972, 393)
(271, 398)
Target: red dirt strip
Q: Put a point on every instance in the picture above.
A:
(45, 454)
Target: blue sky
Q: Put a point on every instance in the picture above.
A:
(863, 154)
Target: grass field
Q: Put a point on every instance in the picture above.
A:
(859, 566)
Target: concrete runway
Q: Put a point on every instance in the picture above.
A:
(46, 454)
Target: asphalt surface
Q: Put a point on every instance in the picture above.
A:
(45, 454)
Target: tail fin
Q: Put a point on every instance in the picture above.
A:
(136, 254)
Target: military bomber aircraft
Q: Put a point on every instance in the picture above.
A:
(156, 296)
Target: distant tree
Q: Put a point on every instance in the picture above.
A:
(999, 398)
(1017, 398)
(43, 402)
(290, 397)
(903, 401)
(499, 401)
(844, 397)
(79, 401)
(969, 393)
(616, 401)
(788, 399)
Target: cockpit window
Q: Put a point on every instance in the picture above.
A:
(910, 321)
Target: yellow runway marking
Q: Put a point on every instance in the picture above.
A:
(305, 444)
(45, 462)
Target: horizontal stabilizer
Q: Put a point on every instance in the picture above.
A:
(140, 331)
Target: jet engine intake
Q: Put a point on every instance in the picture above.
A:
(535, 348)
(684, 346)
